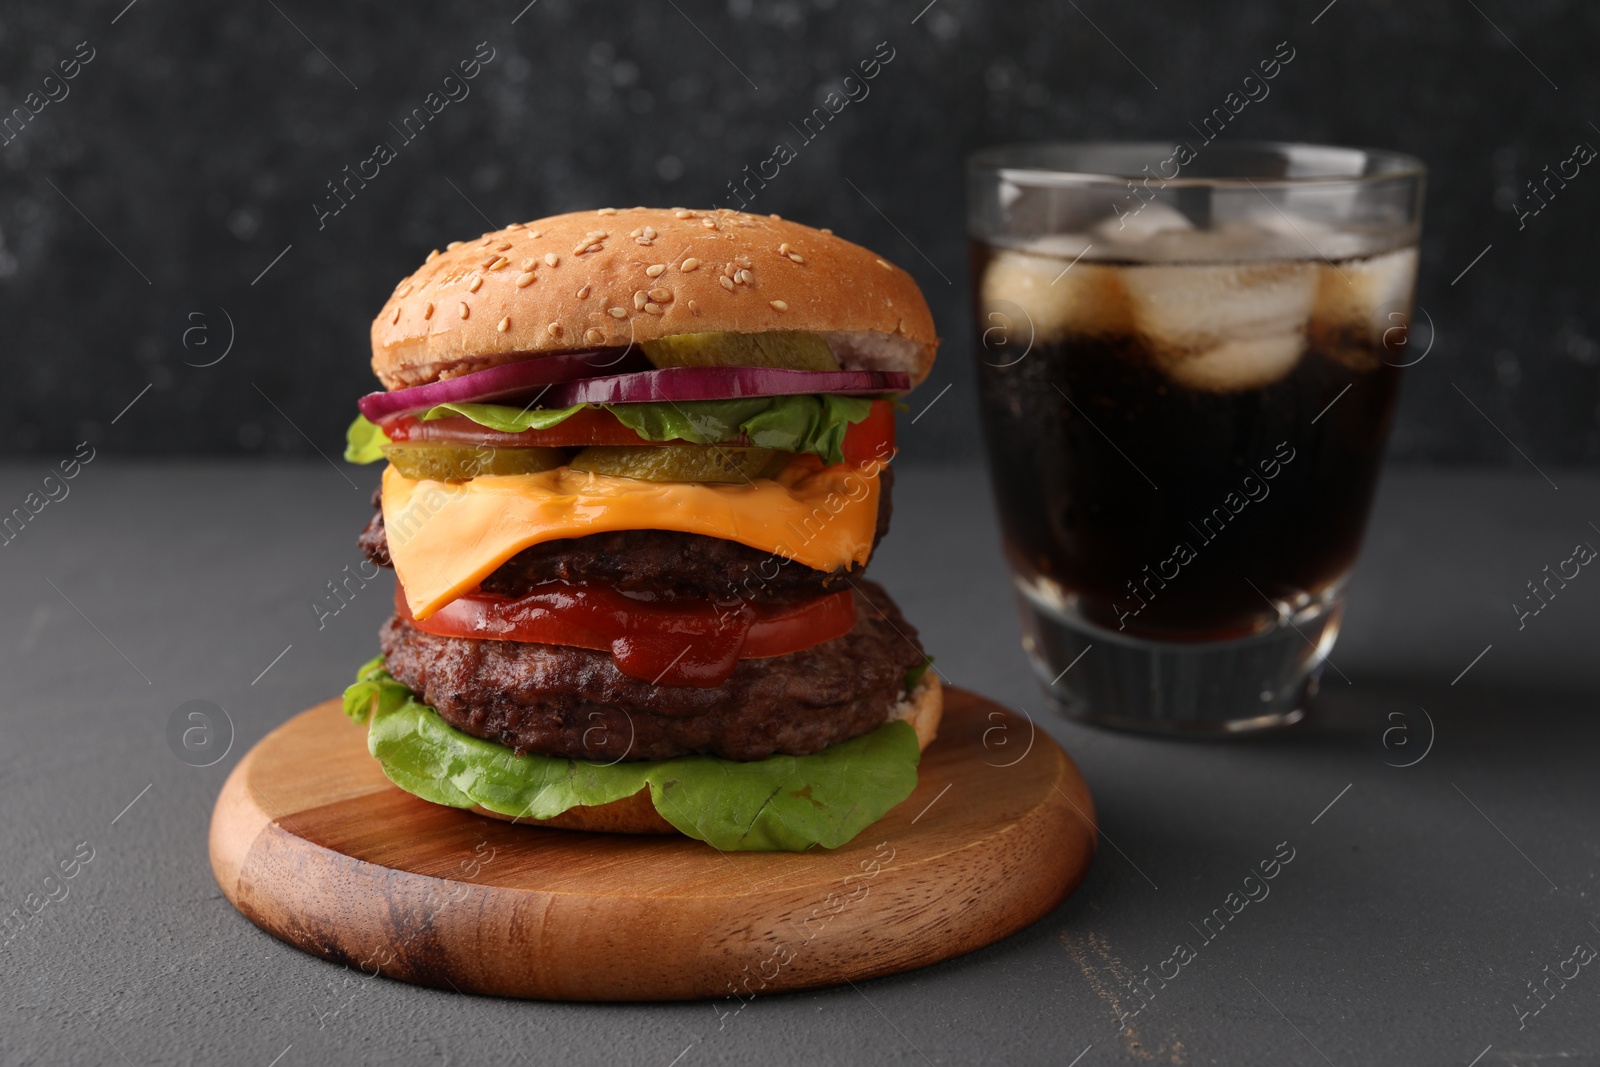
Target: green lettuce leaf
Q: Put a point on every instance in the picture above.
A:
(784, 803)
(810, 423)
(700, 422)
(814, 424)
(503, 417)
(364, 441)
(914, 675)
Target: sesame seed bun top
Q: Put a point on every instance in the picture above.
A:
(604, 278)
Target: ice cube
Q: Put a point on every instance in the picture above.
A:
(1279, 232)
(1058, 294)
(1359, 303)
(1223, 328)
(1068, 246)
(1310, 239)
(1139, 224)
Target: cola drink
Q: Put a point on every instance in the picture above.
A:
(1189, 357)
(1183, 446)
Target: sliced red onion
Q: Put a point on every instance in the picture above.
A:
(720, 383)
(518, 379)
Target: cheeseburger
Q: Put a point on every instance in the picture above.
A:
(637, 461)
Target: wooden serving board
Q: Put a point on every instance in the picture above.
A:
(314, 845)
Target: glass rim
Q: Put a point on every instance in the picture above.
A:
(1001, 160)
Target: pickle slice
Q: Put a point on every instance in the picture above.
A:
(458, 463)
(679, 462)
(783, 349)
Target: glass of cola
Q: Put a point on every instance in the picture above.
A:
(1188, 358)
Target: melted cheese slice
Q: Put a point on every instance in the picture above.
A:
(446, 537)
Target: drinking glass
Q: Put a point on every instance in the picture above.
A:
(1189, 356)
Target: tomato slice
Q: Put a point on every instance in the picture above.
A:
(871, 441)
(694, 644)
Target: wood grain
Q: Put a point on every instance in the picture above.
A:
(313, 844)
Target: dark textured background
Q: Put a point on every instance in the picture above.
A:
(199, 137)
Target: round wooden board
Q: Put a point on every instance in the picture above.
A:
(314, 845)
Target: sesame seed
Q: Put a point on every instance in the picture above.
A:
(636, 231)
(689, 264)
(823, 230)
(580, 249)
(694, 307)
(727, 283)
(525, 279)
(744, 277)
(595, 336)
(606, 211)
(784, 248)
(583, 291)
(500, 263)
(661, 295)
(452, 246)
(551, 259)
(680, 214)
(476, 283)
(744, 261)
(503, 246)
(644, 242)
(650, 232)
(427, 310)
(465, 311)
(640, 299)
(530, 263)
(597, 233)
(796, 257)
(655, 270)
(709, 223)
(485, 264)
(773, 216)
(505, 324)
(779, 305)
(540, 233)
(432, 256)
(554, 329)
(404, 290)
(652, 308)
(727, 270)
(885, 264)
(396, 315)
(618, 313)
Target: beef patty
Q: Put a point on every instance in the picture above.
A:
(574, 702)
(663, 562)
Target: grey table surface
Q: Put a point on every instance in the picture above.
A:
(1419, 905)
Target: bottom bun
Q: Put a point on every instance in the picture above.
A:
(637, 815)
